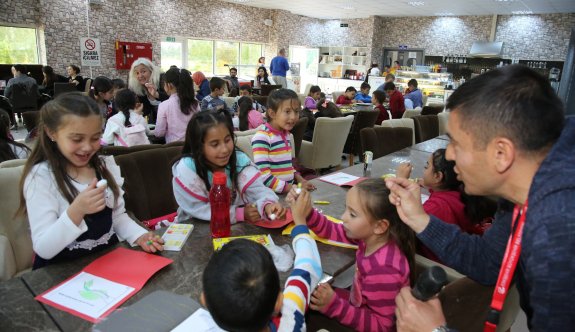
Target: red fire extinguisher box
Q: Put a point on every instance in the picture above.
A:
(128, 52)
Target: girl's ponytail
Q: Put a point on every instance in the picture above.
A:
(181, 79)
(125, 101)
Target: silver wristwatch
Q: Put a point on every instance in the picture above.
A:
(442, 328)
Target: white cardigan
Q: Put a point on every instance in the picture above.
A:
(52, 229)
(115, 126)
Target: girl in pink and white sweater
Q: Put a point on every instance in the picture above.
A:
(384, 258)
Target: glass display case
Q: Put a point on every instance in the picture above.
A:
(431, 85)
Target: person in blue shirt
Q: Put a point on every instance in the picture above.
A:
(413, 93)
(279, 67)
(363, 95)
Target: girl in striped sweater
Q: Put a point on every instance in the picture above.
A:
(271, 144)
(384, 259)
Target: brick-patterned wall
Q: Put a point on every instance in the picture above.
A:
(19, 12)
(535, 37)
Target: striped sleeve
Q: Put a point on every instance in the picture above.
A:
(381, 279)
(301, 282)
(261, 147)
(326, 229)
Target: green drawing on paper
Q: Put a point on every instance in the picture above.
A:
(92, 294)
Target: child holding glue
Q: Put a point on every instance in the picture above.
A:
(271, 144)
(73, 197)
(209, 147)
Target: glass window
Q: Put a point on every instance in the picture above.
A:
(171, 55)
(18, 45)
(249, 58)
(201, 56)
(227, 53)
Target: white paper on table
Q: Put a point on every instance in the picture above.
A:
(88, 294)
(199, 321)
(339, 178)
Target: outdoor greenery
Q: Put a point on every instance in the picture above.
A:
(18, 45)
(171, 55)
(201, 56)
(227, 53)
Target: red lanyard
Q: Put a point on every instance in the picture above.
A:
(508, 266)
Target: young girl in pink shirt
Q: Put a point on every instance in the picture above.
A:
(384, 258)
(248, 116)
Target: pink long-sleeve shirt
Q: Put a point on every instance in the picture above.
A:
(370, 305)
(171, 122)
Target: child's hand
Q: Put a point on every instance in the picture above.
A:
(251, 213)
(292, 195)
(150, 242)
(321, 297)
(90, 200)
(403, 170)
(288, 188)
(275, 208)
(308, 185)
(301, 208)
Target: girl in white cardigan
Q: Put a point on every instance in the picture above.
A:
(127, 127)
(71, 211)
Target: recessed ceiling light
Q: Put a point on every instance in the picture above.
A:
(444, 14)
(416, 3)
(241, 1)
(347, 7)
(503, 0)
(522, 12)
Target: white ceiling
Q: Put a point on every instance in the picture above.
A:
(342, 9)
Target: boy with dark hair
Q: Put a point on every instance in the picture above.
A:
(241, 284)
(377, 100)
(213, 102)
(246, 91)
(413, 93)
(347, 97)
(396, 101)
(363, 95)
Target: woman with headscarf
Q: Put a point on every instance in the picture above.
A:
(144, 80)
(203, 85)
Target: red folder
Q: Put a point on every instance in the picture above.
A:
(124, 266)
(278, 223)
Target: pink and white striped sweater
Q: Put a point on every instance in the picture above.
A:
(370, 305)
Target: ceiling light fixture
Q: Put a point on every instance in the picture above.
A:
(504, 0)
(347, 7)
(241, 1)
(444, 14)
(416, 3)
(522, 12)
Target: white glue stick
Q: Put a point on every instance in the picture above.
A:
(298, 189)
(101, 183)
(273, 216)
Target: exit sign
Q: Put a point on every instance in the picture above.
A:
(171, 39)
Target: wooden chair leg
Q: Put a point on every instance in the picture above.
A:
(351, 158)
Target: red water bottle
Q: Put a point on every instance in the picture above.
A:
(220, 206)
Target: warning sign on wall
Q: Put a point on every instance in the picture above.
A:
(90, 52)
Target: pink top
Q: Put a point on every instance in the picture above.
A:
(370, 304)
(171, 122)
(255, 119)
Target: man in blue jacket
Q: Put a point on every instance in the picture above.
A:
(509, 138)
(279, 67)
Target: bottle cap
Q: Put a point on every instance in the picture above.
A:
(219, 178)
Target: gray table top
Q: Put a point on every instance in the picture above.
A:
(431, 145)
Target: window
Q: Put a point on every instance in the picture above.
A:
(201, 56)
(171, 55)
(18, 45)
(227, 53)
(249, 57)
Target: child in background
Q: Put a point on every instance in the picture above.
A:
(117, 85)
(312, 98)
(175, 113)
(10, 149)
(327, 109)
(363, 95)
(209, 147)
(213, 102)
(127, 128)
(377, 100)
(271, 144)
(447, 201)
(203, 85)
(241, 287)
(246, 91)
(347, 97)
(69, 215)
(102, 92)
(249, 117)
(385, 257)
(396, 102)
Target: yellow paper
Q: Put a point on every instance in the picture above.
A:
(262, 239)
(287, 231)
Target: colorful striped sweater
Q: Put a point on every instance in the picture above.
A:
(273, 156)
(378, 278)
(300, 284)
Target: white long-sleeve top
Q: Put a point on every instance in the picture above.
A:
(115, 127)
(52, 229)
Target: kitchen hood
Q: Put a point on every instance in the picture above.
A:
(486, 50)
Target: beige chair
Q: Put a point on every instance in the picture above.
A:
(406, 122)
(307, 88)
(88, 86)
(443, 117)
(335, 95)
(411, 113)
(424, 100)
(244, 142)
(327, 144)
(301, 98)
(12, 163)
(16, 251)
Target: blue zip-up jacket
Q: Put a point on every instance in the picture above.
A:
(545, 273)
(279, 66)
